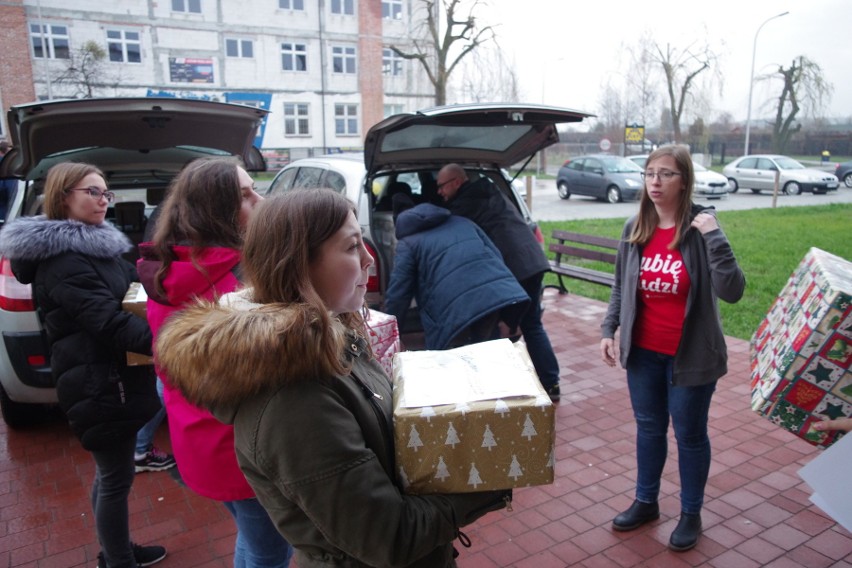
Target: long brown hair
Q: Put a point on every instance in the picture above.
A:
(647, 220)
(61, 178)
(201, 210)
(283, 238)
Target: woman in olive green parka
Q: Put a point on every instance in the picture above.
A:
(286, 363)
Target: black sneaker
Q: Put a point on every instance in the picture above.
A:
(144, 555)
(148, 555)
(155, 460)
(554, 393)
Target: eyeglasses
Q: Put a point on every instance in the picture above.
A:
(95, 193)
(442, 184)
(662, 175)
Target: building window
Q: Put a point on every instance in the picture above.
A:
(392, 9)
(391, 63)
(390, 110)
(346, 119)
(50, 41)
(343, 7)
(296, 121)
(124, 46)
(291, 4)
(239, 48)
(192, 6)
(343, 59)
(294, 57)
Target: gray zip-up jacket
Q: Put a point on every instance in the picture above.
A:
(702, 356)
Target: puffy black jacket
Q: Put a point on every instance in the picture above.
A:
(79, 280)
(484, 204)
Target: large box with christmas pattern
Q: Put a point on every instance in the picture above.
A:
(800, 353)
(474, 418)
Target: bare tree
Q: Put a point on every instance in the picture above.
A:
(487, 76)
(86, 71)
(610, 113)
(803, 88)
(641, 83)
(680, 69)
(440, 51)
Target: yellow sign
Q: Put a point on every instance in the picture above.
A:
(634, 134)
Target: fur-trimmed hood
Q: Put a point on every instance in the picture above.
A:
(33, 239)
(218, 355)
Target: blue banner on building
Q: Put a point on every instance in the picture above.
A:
(257, 100)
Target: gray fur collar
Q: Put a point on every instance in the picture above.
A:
(37, 238)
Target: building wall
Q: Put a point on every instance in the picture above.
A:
(16, 67)
(184, 54)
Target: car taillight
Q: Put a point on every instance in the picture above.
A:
(374, 275)
(14, 296)
(36, 360)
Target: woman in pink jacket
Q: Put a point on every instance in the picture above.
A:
(195, 253)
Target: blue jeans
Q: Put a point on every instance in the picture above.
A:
(114, 473)
(145, 435)
(535, 337)
(259, 544)
(654, 399)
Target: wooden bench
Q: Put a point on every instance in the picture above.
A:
(570, 245)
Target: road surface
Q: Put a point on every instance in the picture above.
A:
(547, 206)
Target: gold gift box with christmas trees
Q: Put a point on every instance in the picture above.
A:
(470, 419)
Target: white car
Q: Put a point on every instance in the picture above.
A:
(708, 183)
(757, 173)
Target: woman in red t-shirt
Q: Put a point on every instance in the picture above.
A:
(673, 263)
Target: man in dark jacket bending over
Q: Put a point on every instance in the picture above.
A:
(486, 206)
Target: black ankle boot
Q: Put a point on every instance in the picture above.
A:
(637, 515)
(685, 535)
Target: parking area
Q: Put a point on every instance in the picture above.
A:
(547, 206)
(757, 511)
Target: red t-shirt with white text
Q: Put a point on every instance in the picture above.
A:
(663, 288)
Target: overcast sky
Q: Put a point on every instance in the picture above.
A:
(565, 50)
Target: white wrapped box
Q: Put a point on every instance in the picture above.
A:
(136, 302)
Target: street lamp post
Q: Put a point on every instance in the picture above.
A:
(751, 78)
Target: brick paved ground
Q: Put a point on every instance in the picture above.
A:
(757, 510)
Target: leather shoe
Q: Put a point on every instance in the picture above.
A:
(637, 515)
(685, 535)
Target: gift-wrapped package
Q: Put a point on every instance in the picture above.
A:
(384, 338)
(470, 419)
(801, 351)
(136, 302)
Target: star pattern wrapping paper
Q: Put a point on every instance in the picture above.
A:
(801, 352)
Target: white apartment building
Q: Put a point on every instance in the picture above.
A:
(322, 67)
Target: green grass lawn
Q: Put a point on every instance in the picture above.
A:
(768, 244)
